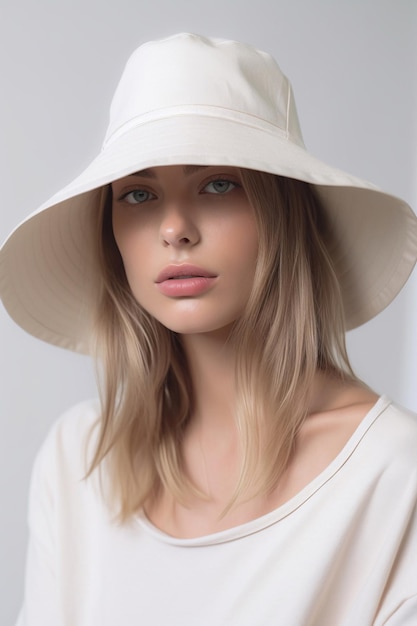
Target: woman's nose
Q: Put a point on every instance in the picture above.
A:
(177, 228)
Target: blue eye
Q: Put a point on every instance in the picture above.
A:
(138, 196)
(219, 186)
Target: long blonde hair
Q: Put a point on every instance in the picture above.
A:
(293, 325)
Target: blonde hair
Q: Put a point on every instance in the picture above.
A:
(293, 325)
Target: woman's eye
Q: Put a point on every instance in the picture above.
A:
(219, 186)
(138, 196)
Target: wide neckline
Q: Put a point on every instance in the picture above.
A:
(285, 509)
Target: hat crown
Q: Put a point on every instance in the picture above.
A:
(187, 73)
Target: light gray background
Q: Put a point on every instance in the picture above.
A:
(353, 65)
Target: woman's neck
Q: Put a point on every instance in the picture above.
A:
(211, 362)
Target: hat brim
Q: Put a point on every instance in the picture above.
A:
(47, 266)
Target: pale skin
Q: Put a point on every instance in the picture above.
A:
(176, 215)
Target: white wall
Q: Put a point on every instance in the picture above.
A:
(353, 67)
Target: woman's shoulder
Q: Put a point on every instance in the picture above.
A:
(396, 427)
(70, 440)
(383, 449)
(76, 422)
(401, 417)
(355, 423)
(387, 430)
(352, 409)
(59, 489)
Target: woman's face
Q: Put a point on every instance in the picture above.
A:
(189, 243)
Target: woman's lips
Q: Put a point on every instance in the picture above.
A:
(184, 280)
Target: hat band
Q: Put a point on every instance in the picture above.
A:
(196, 110)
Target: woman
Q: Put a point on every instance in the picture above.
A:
(235, 471)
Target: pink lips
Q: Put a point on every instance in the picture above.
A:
(184, 280)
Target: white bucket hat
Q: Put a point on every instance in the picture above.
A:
(192, 100)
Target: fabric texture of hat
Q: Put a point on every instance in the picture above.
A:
(193, 100)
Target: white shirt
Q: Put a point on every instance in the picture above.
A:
(342, 552)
